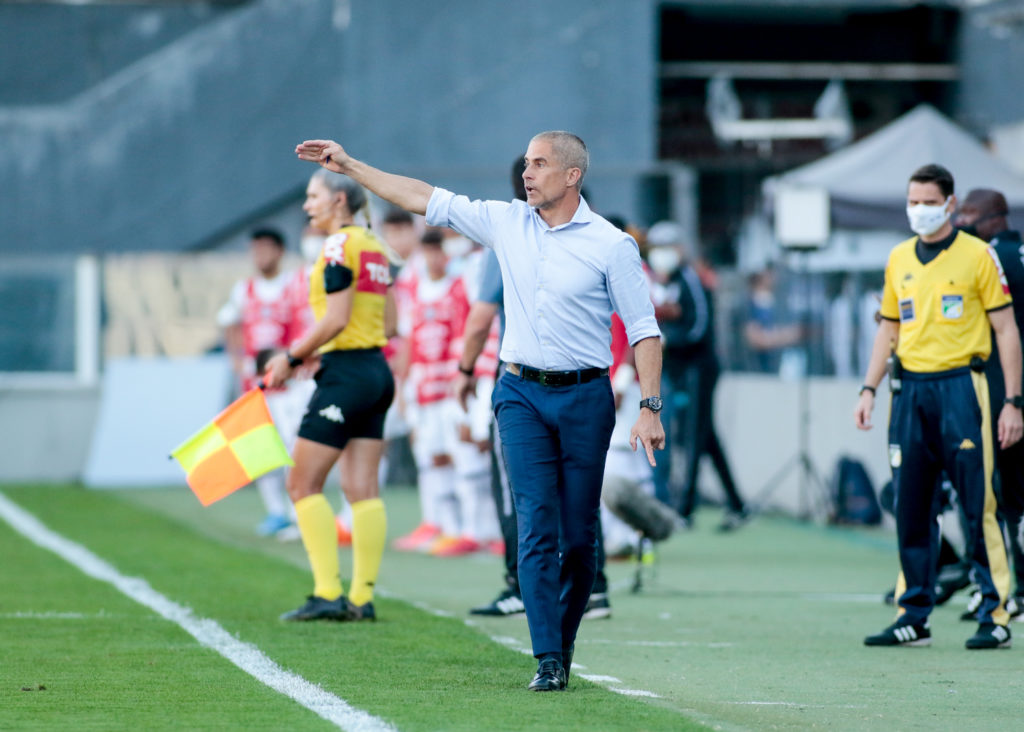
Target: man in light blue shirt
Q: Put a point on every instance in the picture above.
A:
(565, 270)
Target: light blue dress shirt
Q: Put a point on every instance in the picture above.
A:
(561, 284)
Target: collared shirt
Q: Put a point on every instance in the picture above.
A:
(942, 306)
(561, 283)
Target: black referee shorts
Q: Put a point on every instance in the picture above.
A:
(353, 392)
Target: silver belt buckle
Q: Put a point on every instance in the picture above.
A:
(543, 378)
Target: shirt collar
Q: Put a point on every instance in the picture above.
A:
(583, 215)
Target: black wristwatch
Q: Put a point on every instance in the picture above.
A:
(652, 402)
(294, 361)
(1015, 401)
(466, 372)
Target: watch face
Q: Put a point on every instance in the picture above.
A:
(653, 403)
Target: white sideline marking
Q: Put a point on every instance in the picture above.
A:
(797, 704)
(208, 632)
(516, 645)
(48, 615)
(599, 679)
(875, 599)
(419, 605)
(657, 644)
(634, 692)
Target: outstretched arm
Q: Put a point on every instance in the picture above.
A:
(408, 193)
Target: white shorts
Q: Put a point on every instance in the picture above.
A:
(434, 430)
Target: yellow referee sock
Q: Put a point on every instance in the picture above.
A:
(320, 537)
(369, 532)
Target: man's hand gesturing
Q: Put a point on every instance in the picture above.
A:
(326, 153)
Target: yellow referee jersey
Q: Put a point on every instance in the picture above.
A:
(358, 251)
(942, 307)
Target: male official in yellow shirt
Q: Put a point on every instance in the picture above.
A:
(944, 293)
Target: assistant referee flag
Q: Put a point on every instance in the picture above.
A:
(238, 446)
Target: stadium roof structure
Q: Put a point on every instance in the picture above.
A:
(867, 181)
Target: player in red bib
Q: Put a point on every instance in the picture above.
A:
(259, 318)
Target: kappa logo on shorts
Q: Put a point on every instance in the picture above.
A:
(967, 444)
(332, 414)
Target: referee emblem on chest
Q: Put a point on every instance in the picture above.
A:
(952, 306)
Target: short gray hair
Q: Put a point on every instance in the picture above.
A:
(570, 150)
(355, 196)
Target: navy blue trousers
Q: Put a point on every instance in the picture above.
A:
(555, 442)
(942, 421)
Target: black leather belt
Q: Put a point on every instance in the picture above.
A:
(555, 378)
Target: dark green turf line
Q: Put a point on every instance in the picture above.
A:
(419, 671)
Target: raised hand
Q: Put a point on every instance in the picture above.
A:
(326, 153)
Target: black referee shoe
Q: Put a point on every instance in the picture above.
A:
(903, 634)
(317, 608)
(989, 635)
(356, 613)
(550, 676)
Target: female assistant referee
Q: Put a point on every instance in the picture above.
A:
(349, 292)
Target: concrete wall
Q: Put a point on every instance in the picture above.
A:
(45, 433)
(758, 418)
(192, 140)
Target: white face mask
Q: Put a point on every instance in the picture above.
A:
(663, 260)
(457, 246)
(926, 220)
(311, 247)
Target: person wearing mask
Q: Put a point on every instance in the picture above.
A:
(943, 296)
(984, 213)
(685, 311)
(767, 335)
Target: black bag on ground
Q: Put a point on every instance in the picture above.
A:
(854, 496)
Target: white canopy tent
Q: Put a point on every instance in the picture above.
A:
(867, 181)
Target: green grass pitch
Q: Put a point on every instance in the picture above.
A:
(760, 629)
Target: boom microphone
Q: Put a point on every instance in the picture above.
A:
(645, 513)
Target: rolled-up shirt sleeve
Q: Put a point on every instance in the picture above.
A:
(629, 292)
(473, 219)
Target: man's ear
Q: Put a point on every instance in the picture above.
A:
(573, 177)
(952, 202)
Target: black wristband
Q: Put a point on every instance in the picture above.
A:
(867, 388)
(294, 361)
(464, 370)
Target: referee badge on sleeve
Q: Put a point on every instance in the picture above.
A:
(952, 306)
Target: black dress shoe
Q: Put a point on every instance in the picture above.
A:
(567, 663)
(317, 608)
(550, 676)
